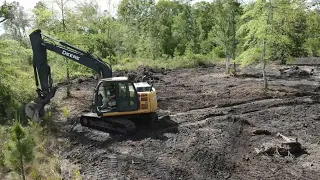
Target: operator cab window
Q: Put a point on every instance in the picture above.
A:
(128, 100)
(106, 96)
(117, 96)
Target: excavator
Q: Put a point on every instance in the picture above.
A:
(117, 101)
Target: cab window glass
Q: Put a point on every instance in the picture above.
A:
(131, 90)
(122, 90)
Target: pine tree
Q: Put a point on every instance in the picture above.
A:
(19, 149)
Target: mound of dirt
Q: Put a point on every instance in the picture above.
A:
(143, 73)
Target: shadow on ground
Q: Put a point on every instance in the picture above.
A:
(85, 136)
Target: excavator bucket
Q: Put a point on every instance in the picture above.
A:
(33, 110)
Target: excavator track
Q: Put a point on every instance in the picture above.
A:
(117, 125)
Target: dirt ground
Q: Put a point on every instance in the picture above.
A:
(207, 128)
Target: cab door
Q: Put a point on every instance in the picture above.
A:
(127, 97)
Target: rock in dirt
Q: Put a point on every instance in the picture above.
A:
(315, 117)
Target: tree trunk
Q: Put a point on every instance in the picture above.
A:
(110, 59)
(67, 61)
(68, 79)
(264, 65)
(270, 15)
(227, 64)
(264, 75)
(21, 161)
(234, 44)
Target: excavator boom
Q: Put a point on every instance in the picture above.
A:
(42, 71)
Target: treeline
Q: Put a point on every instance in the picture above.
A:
(167, 29)
(166, 33)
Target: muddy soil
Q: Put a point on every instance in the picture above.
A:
(206, 132)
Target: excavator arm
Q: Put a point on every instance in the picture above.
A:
(42, 71)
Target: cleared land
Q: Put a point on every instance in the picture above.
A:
(212, 127)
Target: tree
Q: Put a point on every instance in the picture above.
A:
(62, 4)
(140, 24)
(19, 149)
(185, 31)
(163, 26)
(223, 32)
(5, 102)
(5, 12)
(204, 13)
(44, 18)
(17, 24)
(296, 13)
(313, 40)
(256, 35)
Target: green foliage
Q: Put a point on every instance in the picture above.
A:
(223, 32)
(66, 111)
(77, 175)
(253, 30)
(6, 11)
(44, 162)
(44, 18)
(312, 43)
(19, 149)
(218, 52)
(5, 135)
(7, 106)
(15, 77)
(250, 56)
(281, 23)
(17, 24)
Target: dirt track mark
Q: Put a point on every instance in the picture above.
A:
(250, 106)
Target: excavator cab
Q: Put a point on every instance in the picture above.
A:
(116, 94)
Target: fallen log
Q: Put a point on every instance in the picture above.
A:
(261, 132)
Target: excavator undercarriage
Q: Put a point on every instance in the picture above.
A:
(125, 125)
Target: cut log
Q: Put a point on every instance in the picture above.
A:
(261, 132)
(289, 140)
(296, 71)
(290, 146)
